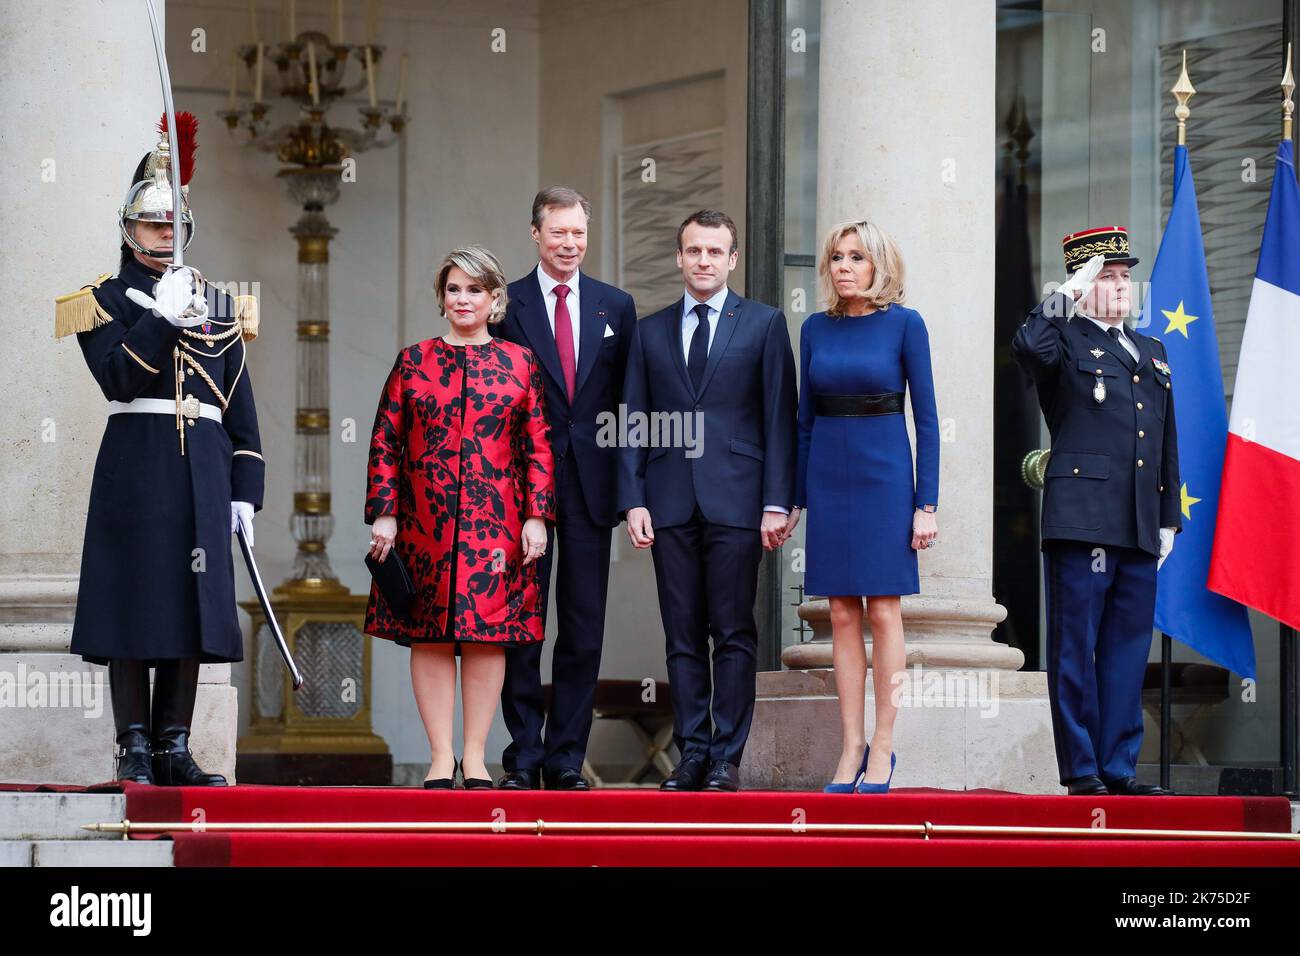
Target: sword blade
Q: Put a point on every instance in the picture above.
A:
(178, 226)
(269, 614)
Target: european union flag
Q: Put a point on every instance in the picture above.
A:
(1178, 312)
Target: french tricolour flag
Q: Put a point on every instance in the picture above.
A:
(1256, 557)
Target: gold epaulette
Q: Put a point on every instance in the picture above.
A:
(246, 313)
(80, 311)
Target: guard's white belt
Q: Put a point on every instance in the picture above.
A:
(165, 406)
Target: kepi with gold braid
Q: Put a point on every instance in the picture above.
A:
(1108, 241)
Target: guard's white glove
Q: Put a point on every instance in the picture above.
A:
(241, 515)
(1079, 284)
(1166, 545)
(177, 297)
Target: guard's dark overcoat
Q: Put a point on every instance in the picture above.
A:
(146, 593)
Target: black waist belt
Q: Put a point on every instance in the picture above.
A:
(853, 406)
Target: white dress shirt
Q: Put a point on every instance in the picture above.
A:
(691, 323)
(1124, 339)
(571, 302)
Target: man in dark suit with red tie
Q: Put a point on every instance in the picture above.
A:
(580, 329)
(708, 507)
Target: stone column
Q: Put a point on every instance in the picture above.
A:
(81, 100)
(906, 139)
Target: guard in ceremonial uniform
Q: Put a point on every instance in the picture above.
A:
(179, 466)
(1110, 507)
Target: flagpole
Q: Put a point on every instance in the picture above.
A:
(1287, 650)
(1182, 91)
(1166, 707)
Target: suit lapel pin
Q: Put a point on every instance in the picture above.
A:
(1098, 353)
(730, 314)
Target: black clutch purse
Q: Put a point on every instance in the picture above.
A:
(394, 582)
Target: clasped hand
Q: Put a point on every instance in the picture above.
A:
(177, 297)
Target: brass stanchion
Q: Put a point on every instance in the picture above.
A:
(925, 830)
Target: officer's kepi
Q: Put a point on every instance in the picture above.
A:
(1110, 242)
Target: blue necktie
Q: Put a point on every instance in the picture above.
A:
(698, 355)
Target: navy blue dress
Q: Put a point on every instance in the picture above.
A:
(855, 473)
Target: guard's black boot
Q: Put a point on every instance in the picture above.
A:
(128, 685)
(175, 684)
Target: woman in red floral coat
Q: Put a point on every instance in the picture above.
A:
(461, 485)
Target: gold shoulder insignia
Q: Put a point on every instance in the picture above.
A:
(79, 311)
(246, 313)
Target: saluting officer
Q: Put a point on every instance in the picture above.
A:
(1110, 507)
(179, 466)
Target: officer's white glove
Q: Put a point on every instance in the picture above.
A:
(177, 297)
(1079, 284)
(241, 515)
(1166, 545)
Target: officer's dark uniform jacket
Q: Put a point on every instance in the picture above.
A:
(146, 593)
(1112, 477)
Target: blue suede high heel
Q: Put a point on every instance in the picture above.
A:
(849, 787)
(865, 787)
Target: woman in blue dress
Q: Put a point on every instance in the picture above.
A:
(866, 516)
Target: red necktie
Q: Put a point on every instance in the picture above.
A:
(564, 339)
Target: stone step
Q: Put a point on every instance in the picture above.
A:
(15, 853)
(79, 853)
(57, 816)
(59, 708)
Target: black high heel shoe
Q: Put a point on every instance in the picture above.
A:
(476, 783)
(443, 783)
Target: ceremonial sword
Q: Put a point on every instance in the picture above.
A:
(174, 172)
(178, 259)
(271, 622)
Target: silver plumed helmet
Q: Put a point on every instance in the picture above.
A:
(150, 197)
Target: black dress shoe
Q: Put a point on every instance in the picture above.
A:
(520, 780)
(1129, 787)
(1089, 786)
(723, 776)
(689, 775)
(565, 779)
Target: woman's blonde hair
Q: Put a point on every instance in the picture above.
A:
(480, 265)
(887, 262)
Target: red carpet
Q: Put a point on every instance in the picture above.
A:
(349, 804)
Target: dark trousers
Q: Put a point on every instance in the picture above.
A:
(707, 577)
(581, 586)
(1101, 604)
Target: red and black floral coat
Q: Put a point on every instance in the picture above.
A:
(460, 455)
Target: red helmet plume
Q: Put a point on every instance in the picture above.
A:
(187, 128)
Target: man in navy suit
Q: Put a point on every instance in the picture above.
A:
(1110, 507)
(717, 369)
(580, 329)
